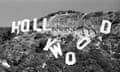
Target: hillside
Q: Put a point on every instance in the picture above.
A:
(24, 52)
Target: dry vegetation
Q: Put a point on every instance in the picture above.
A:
(24, 52)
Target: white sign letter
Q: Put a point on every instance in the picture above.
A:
(83, 43)
(49, 43)
(15, 27)
(105, 27)
(25, 26)
(56, 50)
(35, 25)
(70, 58)
(45, 24)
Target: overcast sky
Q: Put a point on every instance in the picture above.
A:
(14, 10)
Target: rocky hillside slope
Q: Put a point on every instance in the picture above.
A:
(24, 52)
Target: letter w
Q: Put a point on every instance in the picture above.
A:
(55, 49)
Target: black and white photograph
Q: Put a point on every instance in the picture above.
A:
(59, 35)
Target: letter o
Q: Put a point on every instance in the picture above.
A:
(84, 40)
(67, 58)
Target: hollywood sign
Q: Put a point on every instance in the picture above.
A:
(24, 26)
(54, 45)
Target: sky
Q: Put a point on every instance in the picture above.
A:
(14, 10)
